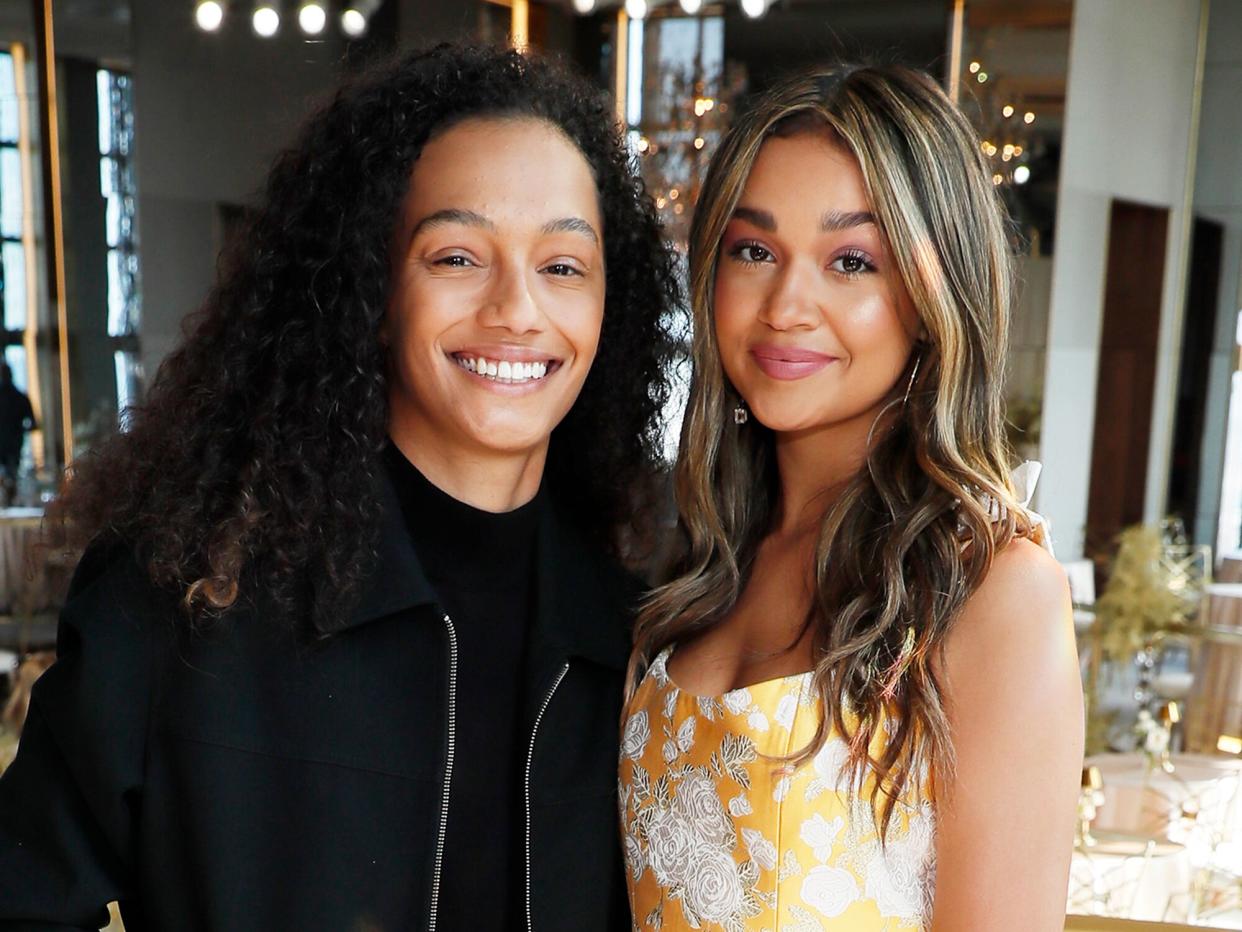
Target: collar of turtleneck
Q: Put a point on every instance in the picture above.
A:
(456, 542)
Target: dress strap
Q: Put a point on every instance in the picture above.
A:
(1024, 479)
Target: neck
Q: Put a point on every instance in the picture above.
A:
(814, 465)
(489, 480)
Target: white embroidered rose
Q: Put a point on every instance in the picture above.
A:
(670, 839)
(818, 834)
(737, 701)
(901, 877)
(829, 763)
(699, 802)
(637, 734)
(829, 889)
(713, 888)
(786, 709)
(634, 857)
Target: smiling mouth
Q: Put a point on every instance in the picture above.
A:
(789, 363)
(506, 371)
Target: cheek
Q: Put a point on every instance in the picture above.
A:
(419, 313)
(873, 328)
(733, 312)
(578, 319)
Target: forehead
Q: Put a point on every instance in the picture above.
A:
(809, 170)
(491, 164)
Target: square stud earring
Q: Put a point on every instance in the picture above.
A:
(740, 414)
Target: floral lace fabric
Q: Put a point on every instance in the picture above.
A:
(720, 836)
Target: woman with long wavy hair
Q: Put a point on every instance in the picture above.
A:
(856, 703)
(347, 650)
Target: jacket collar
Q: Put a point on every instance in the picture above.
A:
(583, 599)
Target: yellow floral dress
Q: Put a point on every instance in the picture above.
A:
(719, 836)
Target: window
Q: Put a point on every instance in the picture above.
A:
(13, 284)
(116, 184)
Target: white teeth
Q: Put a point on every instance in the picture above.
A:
(503, 370)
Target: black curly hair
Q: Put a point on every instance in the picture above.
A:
(250, 469)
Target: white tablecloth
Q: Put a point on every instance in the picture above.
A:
(1150, 805)
(1127, 880)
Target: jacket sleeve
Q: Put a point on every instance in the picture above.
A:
(70, 801)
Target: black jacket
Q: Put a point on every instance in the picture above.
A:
(239, 779)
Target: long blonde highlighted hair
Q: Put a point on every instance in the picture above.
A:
(913, 534)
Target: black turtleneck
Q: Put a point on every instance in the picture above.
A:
(482, 568)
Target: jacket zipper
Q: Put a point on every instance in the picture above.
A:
(530, 756)
(448, 772)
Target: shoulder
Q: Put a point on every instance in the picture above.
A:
(1025, 587)
(1018, 623)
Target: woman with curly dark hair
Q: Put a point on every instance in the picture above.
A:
(347, 648)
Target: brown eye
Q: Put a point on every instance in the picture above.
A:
(751, 253)
(852, 264)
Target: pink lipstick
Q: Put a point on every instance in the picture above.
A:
(788, 362)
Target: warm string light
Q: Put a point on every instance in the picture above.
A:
(265, 20)
(636, 9)
(312, 16)
(208, 15)
(1009, 151)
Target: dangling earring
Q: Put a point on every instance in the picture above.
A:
(909, 385)
(741, 414)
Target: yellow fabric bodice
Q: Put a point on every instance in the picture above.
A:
(720, 834)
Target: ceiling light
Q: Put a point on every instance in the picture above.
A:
(356, 17)
(266, 20)
(312, 17)
(754, 8)
(208, 15)
(690, 7)
(636, 9)
(584, 6)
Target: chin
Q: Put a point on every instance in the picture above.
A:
(509, 440)
(788, 422)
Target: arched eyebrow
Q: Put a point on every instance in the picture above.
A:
(472, 219)
(760, 218)
(572, 225)
(835, 220)
(831, 222)
(452, 215)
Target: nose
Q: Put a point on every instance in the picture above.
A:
(509, 304)
(792, 304)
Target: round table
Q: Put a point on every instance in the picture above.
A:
(1152, 803)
